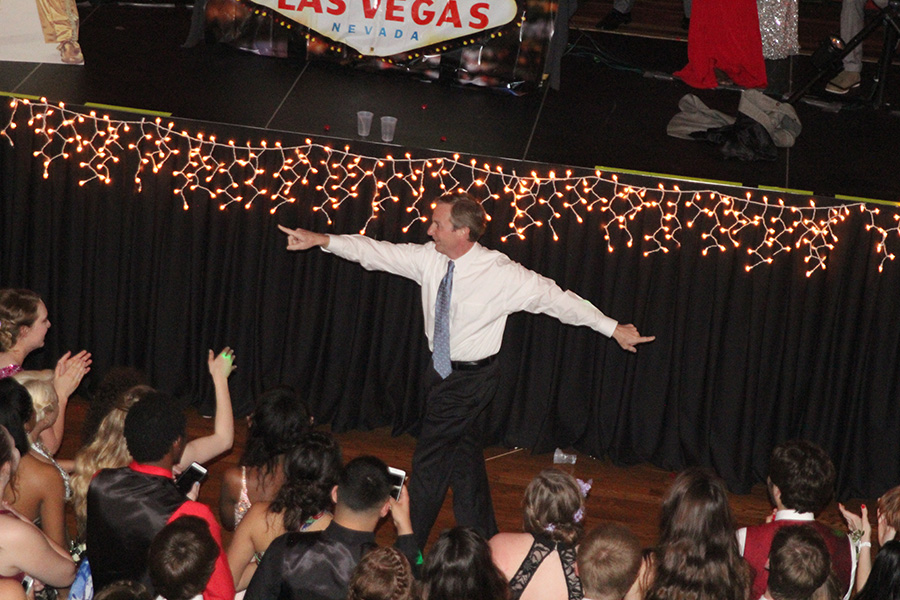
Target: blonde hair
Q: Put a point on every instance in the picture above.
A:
(43, 395)
(609, 561)
(106, 451)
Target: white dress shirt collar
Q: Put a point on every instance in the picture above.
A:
(789, 514)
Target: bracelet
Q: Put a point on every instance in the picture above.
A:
(865, 545)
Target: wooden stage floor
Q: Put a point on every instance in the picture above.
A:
(629, 495)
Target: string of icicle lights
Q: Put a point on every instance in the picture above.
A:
(233, 173)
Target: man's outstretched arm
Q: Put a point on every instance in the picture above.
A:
(405, 260)
(301, 239)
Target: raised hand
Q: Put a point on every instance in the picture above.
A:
(69, 372)
(221, 364)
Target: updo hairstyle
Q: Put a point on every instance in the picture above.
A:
(18, 308)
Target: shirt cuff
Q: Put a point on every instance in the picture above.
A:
(607, 326)
(335, 244)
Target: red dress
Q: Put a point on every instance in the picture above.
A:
(724, 35)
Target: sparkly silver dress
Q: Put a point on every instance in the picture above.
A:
(39, 447)
(778, 28)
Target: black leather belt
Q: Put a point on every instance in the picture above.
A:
(471, 365)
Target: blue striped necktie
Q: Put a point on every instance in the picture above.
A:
(441, 354)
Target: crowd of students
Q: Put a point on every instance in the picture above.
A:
(304, 521)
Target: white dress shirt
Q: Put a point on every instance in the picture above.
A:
(487, 287)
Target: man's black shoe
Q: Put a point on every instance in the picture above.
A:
(614, 19)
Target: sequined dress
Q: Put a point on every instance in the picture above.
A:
(778, 28)
(38, 447)
(9, 371)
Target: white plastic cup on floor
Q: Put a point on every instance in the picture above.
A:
(561, 458)
(363, 123)
(388, 126)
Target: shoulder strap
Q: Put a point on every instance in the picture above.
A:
(573, 583)
(527, 569)
(536, 555)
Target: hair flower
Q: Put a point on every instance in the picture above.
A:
(585, 486)
(578, 517)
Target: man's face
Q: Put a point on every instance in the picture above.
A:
(447, 240)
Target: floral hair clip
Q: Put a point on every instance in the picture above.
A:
(578, 517)
(550, 527)
(585, 486)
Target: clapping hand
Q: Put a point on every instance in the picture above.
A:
(69, 372)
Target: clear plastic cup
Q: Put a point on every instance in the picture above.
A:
(363, 123)
(561, 458)
(388, 126)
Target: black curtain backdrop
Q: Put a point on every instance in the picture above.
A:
(742, 361)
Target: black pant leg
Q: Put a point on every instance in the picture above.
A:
(448, 453)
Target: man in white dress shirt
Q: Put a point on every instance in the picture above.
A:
(467, 293)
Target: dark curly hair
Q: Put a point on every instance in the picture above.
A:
(310, 473)
(152, 425)
(18, 308)
(278, 423)
(804, 474)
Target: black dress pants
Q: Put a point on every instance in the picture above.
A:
(449, 452)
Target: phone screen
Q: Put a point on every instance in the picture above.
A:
(398, 478)
(193, 474)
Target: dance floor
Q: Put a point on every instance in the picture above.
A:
(615, 99)
(629, 495)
